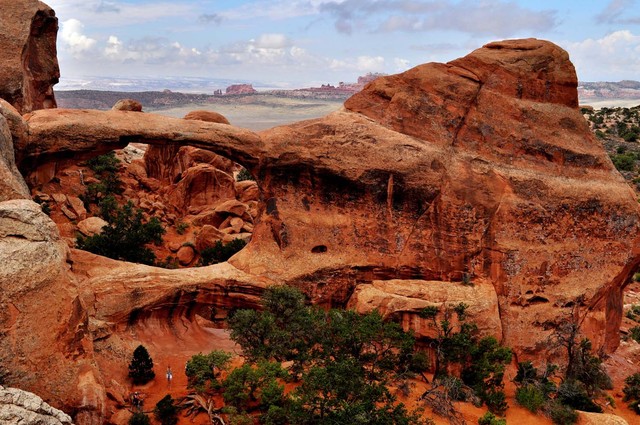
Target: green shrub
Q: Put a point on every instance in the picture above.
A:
(466, 279)
(631, 392)
(246, 383)
(454, 387)
(574, 394)
(203, 370)
(139, 418)
(491, 419)
(420, 362)
(531, 397)
(484, 371)
(107, 163)
(624, 162)
(181, 227)
(170, 262)
(344, 362)
(220, 252)
(45, 206)
(243, 175)
(561, 414)
(106, 169)
(634, 333)
(166, 412)
(634, 312)
(141, 366)
(125, 238)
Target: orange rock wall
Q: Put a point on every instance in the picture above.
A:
(29, 27)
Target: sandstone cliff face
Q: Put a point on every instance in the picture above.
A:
(481, 166)
(28, 62)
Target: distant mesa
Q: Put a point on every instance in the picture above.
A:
(346, 88)
(626, 89)
(240, 89)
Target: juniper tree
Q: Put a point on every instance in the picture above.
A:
(141, 366)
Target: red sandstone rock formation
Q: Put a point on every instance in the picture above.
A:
(240, 89)
(482, 167)
(28, 63)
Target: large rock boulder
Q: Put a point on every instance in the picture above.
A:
(28, 63)
(12, 185)
(201, 186)
(24, 408)
(44, 346)
(483, 166)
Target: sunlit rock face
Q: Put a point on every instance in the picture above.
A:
(28, 61)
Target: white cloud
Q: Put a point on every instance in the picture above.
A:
(272, 41)
(359, 64)
(615, 56)
(370, 63)
(73, 38)
(114, 47)
(401, 64)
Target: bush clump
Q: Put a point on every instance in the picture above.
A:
(220, 252)
(139, 418)
(203, 370)
(491, 419)
(244, 175)
(166, 412)
(625, 161)
(125, 237)
(106, 169)
(631, 392)
(344, 363)
(561, 414)
(531, 397)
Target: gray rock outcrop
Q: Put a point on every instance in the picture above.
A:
(19, 407)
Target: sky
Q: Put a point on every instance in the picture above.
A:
(302, 43)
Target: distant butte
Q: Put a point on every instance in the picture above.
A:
(240, 89)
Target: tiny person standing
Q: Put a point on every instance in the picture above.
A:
(169, 375)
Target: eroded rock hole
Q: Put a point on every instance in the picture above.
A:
(319, 249)
(207, 204)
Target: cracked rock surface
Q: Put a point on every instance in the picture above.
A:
(19, 407)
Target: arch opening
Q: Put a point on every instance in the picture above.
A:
(207, 204)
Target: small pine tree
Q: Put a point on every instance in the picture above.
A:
(141, 366)
(166, 412)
